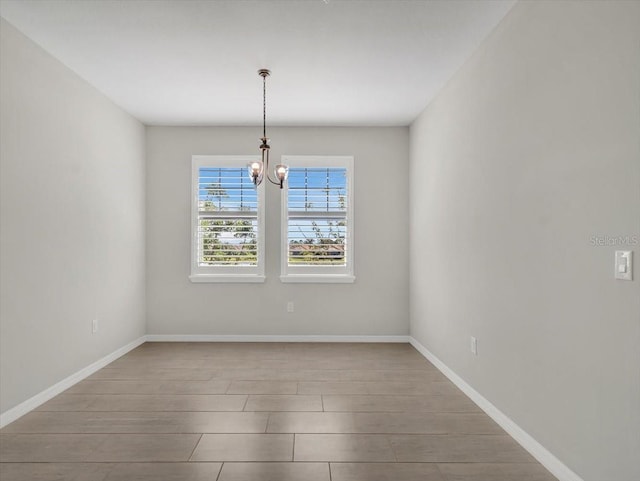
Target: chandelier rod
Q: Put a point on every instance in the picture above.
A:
(264, 104)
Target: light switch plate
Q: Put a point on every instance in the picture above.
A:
(624, 265)
(474, 345)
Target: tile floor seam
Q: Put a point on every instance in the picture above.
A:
(266, 428)
(219, 471)
(195, 447)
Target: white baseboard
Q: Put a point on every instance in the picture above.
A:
(537, 450)
(42, 397)
(270, 338)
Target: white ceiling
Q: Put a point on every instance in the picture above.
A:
(194, 62)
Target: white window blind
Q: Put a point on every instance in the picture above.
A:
(227, 220)
(317, 218)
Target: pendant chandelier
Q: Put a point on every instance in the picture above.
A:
(260, 169)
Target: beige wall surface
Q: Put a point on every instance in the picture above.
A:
(520, 168)
(376, 304)
(71, 222)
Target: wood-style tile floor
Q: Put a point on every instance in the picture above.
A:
(263, 412)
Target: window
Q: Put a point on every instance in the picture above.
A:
(317, 220)
(226, 221)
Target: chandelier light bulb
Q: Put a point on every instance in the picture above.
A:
(281, 171)
(255, 171)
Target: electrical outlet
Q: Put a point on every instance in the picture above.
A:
(94, 326)
(474, 346)
(290, 306)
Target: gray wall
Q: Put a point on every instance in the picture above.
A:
(376, 304)
(71, 222)
(531, 149)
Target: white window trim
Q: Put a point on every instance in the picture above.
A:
(318, 274)
(224, 273)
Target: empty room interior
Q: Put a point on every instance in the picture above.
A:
(322, 240)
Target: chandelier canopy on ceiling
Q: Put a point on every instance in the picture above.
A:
(258, 170)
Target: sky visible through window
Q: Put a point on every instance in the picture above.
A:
(226, 189)
(317, 189)
(310, 189)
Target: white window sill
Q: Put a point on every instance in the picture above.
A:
(229, 278)
(318, 278)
